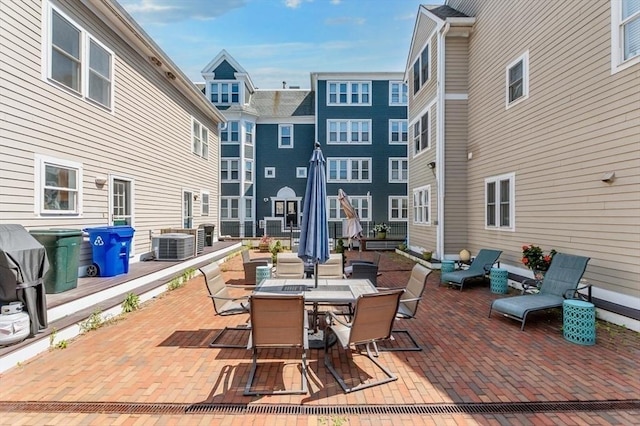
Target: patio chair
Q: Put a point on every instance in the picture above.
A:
(250, 266)
(332, 268)
(367, 271)
(560, 282)
(409, 305)
(479, 268)
(289, 265)
(223, 303)
(277, 321)
(372, 321)
(349, 268)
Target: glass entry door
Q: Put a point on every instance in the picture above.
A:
(187, 209)
(121, 199)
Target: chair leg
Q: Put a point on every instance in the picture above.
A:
(327, 362)
(415, 347)
(252, 373)
(214, 343)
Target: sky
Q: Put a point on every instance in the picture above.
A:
(281, 40)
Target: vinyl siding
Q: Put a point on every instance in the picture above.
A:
(147, 138)
(578, 122)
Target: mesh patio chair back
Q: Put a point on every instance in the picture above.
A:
(218, 290)
(289, 265)
(374, 316)
(564, 274)
(366, 271)
(277, 321)
(332, 268)
(414, 291)
(484, 260)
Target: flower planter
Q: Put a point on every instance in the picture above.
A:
(264, 248)
(382, 235)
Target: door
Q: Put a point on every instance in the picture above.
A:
(292, 214)
(121, 202)
(187, 209)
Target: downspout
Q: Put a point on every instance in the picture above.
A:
(440, 158)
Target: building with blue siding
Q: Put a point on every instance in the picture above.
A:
(360, 120)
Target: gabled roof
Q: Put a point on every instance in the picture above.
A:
(444, 12)
(283, 103)
(241, 73)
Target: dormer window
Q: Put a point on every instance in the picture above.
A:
(225, 93)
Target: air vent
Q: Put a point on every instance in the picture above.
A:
(175, 246)
(198, 234)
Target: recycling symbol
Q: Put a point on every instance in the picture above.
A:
(98, 241)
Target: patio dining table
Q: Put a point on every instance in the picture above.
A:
(328, 291)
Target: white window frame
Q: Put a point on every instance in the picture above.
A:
(403, 132)
(281, 136)
(229, 169)
(403, 93)
(402, 207)
(349, 169)
(524, 59)
(40, 185)
(200, 139)
(422, 205)
(417, 129)
(335, 213)
(269, 172)
(227, 212)
(497, 216)
(402, 171)
(349, 93)
(421, 81)
(248, 208)
(249, 132)
(301, 172)
(85, 71)
(248, 171)
(227, 129)
(229, 92)
(348, 126)
(205, 203)
(618, 62)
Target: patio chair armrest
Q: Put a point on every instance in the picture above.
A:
(234, 299)
(487, 267)
(574, 294)
(331, 316)
(530, 283)
(413, 299)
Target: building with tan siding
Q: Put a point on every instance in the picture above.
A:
(524, 128)
(99, 126)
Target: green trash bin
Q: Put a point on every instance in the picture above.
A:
(63, 251)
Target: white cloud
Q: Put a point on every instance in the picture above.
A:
(165, 11)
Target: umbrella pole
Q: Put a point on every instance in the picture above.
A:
(315, 272)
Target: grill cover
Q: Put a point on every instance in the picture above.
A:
(23, 263)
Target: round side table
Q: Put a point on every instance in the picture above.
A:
(579, 321)
(499, 280)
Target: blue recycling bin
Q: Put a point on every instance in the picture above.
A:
(110, 247)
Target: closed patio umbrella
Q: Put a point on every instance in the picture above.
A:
(314, 232)
(354, 228)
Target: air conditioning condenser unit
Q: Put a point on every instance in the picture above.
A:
(173, 246)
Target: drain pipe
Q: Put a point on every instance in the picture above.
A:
(440, 157)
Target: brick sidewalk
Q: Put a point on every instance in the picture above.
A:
(160, 355)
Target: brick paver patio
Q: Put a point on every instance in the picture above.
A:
(159, 356)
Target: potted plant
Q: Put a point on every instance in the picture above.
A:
(264, 244)
(534, 258)
(381, 230)
(427, 255)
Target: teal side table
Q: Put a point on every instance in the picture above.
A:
(579, 321)
(262, 273)
(446, 266)
(499, 280)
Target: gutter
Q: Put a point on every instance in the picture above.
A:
(440, 157)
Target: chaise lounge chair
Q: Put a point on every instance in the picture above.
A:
(479, 268)
(560, 283)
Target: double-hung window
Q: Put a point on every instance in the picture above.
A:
(398, 170)
(348, 93)
(248, 208)
(499, 202)
(349, 169)
(229, 208)
(58, 186)
(230, 132)
(421, 69)
(77, 61)
(229, 170)
(200, 139)
(349, 132)
(398, 208)
(398, 133)
(397, 93)
(360, 203)
(422, 205)
(248, 171)
(518, 80)
(625, 34)
(421, 134)
(248, 132)
(204, 204)
(285, 136)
